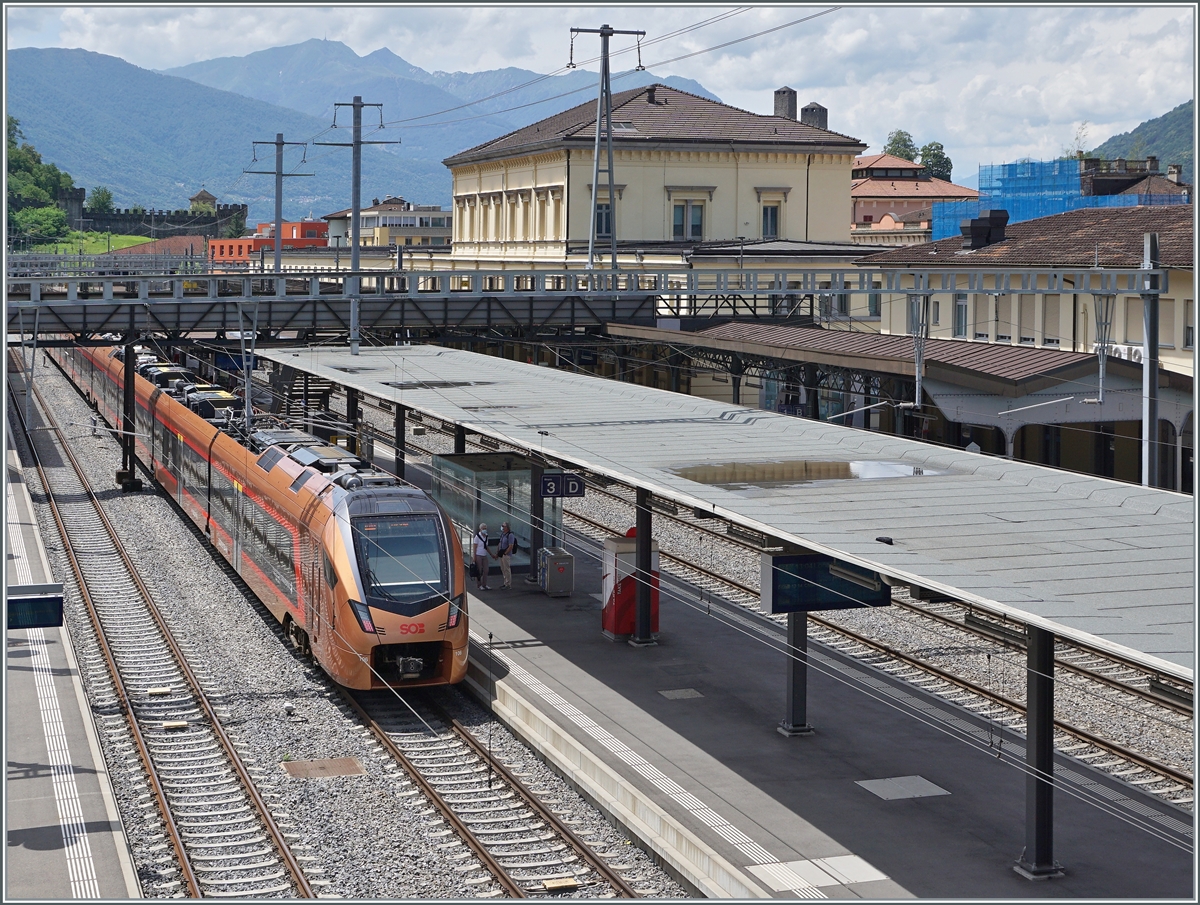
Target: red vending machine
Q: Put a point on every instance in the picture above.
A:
(620, 587)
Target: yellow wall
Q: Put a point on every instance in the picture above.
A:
(1032, 315)
(520, 210)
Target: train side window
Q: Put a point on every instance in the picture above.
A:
(331, 578)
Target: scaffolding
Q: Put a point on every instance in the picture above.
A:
(1029, 189)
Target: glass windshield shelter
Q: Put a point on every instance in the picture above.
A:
(401, 559)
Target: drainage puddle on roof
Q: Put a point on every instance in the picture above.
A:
(797, 471)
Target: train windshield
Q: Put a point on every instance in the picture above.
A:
(401, 559)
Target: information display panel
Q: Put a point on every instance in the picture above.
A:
(804, 582)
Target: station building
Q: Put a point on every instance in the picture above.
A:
(244, 250)
(687, 171)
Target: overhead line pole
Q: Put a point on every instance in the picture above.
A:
(279, 175)
(356, 201)
(604, 126)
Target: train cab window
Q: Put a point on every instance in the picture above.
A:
(331, 578)
(270, 458)
(402, 560)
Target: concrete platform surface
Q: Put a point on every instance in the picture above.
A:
(64, 834)
(894, 795)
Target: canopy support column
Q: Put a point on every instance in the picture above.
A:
(1037, 860)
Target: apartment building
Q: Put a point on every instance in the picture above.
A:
(892, 200)
(393, 221)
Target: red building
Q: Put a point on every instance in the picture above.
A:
(261, 245)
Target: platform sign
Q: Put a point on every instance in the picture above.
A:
(34, 606)
(562, 484)
(812, 581)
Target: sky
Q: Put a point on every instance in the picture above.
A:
(992, 84)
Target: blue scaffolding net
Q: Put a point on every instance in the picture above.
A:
(1029, 189)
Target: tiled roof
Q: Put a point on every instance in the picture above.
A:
(1010, 364)
(884, 161)
(1155, 185)
(1110, 236)
(172, 245)
(884, 187)
(675, 116)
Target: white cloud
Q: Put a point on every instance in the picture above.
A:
(992, 84)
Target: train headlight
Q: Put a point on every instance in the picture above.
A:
(362, 613)
(457, 608)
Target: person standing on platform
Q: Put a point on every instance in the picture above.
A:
(481, 556)
(508, 546)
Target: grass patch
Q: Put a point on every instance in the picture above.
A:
(89, 243)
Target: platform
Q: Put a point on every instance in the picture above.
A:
(64, 834)
(1104, 563)
(896, 794)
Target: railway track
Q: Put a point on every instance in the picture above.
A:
(224, 839)
(513, 843)
(1090, 664)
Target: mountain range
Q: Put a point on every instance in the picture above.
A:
(1167, 137)
(155, 138)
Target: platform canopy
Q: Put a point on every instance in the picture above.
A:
(1099, 561)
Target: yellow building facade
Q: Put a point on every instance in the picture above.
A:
(687, 170)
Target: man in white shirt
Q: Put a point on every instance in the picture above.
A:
(481, 557)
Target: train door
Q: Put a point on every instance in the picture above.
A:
(311, 585)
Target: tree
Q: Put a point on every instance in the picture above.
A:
(100, 201)
(237, 226)
(40, 223)
(1078, 145)
(935, 161)
(31, 183)
(900, 144)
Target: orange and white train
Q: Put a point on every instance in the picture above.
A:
(362, 569)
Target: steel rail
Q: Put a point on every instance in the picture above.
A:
(917, 663)
(493, 866)
(1098, 678)
(597, 863)
(123, 700)
(273, 830)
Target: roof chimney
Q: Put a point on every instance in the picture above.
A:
(986, 229)
(1175, 172)
(785, 102)
(650, 94)
(1151, 163)
(815, 115)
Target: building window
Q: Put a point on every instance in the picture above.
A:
(916, 315)
(868, 218)
(240, 251)
(1166, 323)
(689, 221)
(603, 221)
(960, 314)
(937, 312)
(770, 221)
(293, 232)
(873, 300)
(1189, 328)
(1025, 319)
(1051, 311)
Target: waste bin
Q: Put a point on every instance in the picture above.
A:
(619, 617)
(556, 571)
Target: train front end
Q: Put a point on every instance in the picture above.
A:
(400, 600)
